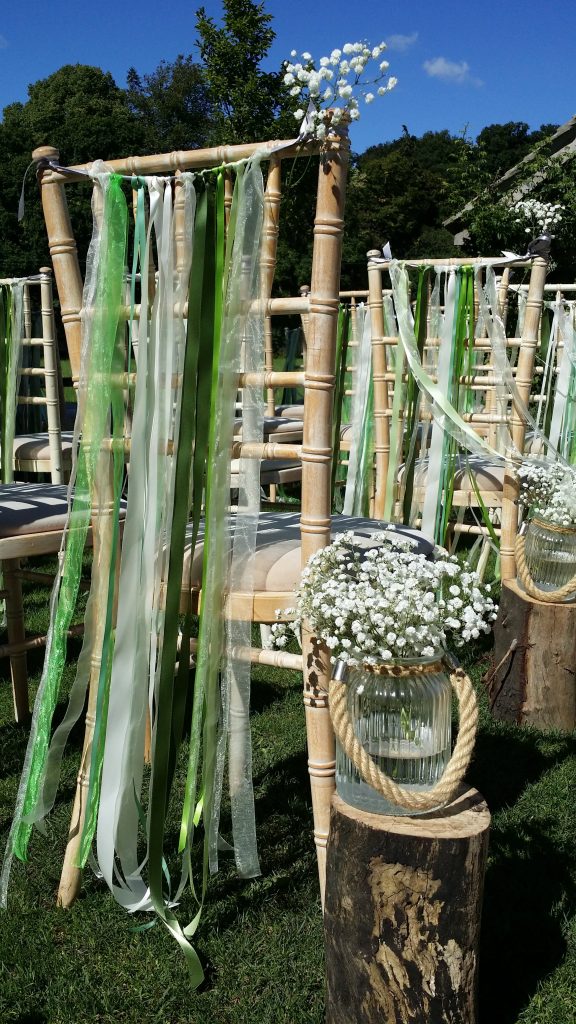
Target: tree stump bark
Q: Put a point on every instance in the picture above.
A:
(402, 914)
(534, 680)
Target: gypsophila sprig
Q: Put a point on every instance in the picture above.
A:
(386, 603)
(548, 490)
(337, 85)
(538, 215)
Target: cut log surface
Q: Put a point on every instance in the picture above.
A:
(402, 914)
(535, 649)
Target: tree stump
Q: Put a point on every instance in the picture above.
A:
(534, 682)
(402, 914)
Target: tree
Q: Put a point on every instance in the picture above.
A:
(398, 193)
(247, 102)
(494, 221)
(81, 111)
(505, 145)
(172, 105)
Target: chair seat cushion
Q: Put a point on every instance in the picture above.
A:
(272, 471)
(276, 428)
(489, 476)
(34, 508)
(291, 412)
(36, 448)
(277, 560)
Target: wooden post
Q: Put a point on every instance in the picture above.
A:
(315, 520)
(534, 679)
(402, 917)
(379, 367)
(524, 375)
(64, 256)
(16, 635)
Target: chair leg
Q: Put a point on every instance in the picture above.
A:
(71, 877)
(16, 635)
(321, 745)
(483, 559)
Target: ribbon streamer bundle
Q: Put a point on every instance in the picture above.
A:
(429, 426)
(175, 381)
(359, 476)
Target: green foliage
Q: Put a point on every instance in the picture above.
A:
(184, 104)
(172, 105)
(246, 101)
(82, 112)
(503, 145)
(493, 223)
(398, 192)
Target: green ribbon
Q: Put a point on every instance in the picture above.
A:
(342, 379)
(97, 382)
(119, 412)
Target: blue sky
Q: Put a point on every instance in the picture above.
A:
(459, 65)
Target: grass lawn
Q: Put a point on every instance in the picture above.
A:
(261, 941)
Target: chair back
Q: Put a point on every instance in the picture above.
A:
(36, 400)
(470, 377)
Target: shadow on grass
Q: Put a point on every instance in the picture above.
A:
(522, 941)
(285, 846)
(506, 760)
(530, 881)
(14, 740)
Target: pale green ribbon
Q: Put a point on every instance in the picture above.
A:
(359, 459)
(98, 348)
(446, 414)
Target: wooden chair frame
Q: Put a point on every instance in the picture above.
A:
(320, 308)
(50, 371)
(524, 374)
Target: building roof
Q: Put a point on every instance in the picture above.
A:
(562, 145)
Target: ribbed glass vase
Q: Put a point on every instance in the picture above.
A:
(550, 553)
(401, 713)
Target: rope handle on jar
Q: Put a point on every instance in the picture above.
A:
(523, 572)
(446, 788)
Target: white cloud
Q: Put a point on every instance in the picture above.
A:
(450, 71)
(401, 43)
(3, 43)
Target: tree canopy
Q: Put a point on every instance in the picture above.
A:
(399, 191)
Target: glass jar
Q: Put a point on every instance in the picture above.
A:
(401, 713)
(550, 553)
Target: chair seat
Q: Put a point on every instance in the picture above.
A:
(488, 476)
(276, 428)
(345, 437)
(276, 567)
(32, 508)
(272, 471)
(31, 448)
(37, 511)
(291, 412)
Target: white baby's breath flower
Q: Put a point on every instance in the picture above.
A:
(304, 81)
(392, 603)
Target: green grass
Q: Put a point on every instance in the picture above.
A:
(261, 941)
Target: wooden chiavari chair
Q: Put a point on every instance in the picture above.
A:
(285, 542)
(493, 482)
